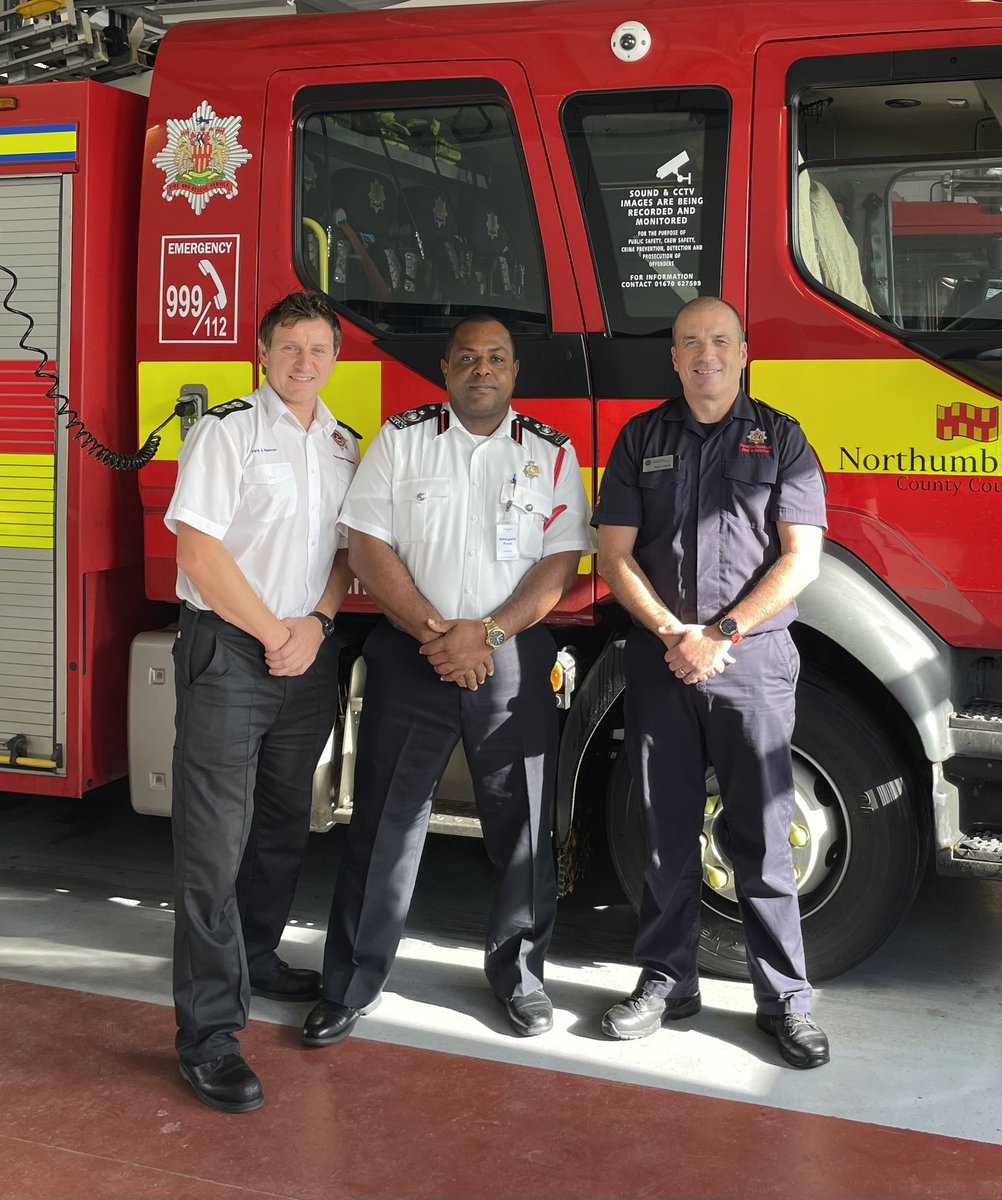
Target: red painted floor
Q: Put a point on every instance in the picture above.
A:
(92, 1106)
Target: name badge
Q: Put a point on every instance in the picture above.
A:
(663, 462)
(507, 542)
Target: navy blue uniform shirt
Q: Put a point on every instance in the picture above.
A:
(705, 504)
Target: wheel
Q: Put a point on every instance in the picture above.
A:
(858, 842)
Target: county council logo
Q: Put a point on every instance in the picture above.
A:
(967, 421)
(201, 157)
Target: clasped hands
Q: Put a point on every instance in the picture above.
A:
(297, 653)
(695, 653)
(459, 653)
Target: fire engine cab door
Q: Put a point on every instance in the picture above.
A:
(875, 299)
(34, 231)
(422, 192)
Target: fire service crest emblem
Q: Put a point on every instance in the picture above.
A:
(201, 157)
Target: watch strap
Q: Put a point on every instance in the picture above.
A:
(326, 622)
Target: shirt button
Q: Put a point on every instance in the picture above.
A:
(476, 483)
(469, 591)
(422, 496)
(473, 554)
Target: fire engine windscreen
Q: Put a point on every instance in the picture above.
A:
(411, 216)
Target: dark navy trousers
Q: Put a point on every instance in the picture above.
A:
(246, 745)
(742, 722)
(411, 722)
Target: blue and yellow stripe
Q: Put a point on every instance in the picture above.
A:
(38, 144)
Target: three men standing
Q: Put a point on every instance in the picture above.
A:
(261, 573)
(710, 524)
(466, 522)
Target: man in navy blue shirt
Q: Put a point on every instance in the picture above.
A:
(711, 521)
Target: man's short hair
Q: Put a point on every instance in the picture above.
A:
(476, 319)
(707, 302)
(300, 306)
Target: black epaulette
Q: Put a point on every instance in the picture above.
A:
(546, 432)
(231, 406)
(785, 416)
(348, 429)
(414, 416)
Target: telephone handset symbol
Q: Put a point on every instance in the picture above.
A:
(210, 272)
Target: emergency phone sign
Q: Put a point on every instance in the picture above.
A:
(198, 288)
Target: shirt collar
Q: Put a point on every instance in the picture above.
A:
(275, 409)
(503, 430)
(741, 410)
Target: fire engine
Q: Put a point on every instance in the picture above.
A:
(580, 171)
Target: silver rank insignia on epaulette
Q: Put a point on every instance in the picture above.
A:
(231, 406)
(546, 432)
(414, 416)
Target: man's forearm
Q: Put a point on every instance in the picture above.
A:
(778, 587)
(389, 584)
(634, 591)
(338, 583)
(538, 592)
(211, 568)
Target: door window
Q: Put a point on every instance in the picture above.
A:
(414, 214)
(650, 169)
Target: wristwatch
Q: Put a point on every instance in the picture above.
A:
(494, 635)
(326, 622)
(729, 628)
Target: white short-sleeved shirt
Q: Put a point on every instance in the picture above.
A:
(469, 515)
(271, 491)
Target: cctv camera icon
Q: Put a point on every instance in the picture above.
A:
(674, 167)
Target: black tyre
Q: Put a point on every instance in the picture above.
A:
(858, 841)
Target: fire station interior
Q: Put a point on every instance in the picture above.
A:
(410, 216)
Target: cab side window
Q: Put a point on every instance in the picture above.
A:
(412, 215)
(650, 169)
(898, 206)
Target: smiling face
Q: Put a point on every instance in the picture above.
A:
(298, 360)
(709, 353)
(480, 374)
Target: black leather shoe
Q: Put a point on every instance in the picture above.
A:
(287, 983)
(330, 1022)
(642, 1014)
(226, 1083)
(802, 1042)
(530, 1015)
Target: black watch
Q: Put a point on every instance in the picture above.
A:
(729, 628)
(326, 622)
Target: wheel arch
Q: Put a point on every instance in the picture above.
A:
(849, 616)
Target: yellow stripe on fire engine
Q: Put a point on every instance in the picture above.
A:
(38, 143)
(354, 395)
(27, 500)
(160, 388)
(885, 416)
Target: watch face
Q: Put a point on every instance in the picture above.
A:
(728, 627)
(495, 638)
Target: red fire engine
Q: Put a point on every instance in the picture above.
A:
(581, 176)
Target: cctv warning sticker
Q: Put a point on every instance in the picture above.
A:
(198, 288)
(201, 157)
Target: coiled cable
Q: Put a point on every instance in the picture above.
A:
(74, 426)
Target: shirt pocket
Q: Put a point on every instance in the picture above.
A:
(749, 480)
(419, 508)
(269, 491)
(660, 493)
(530, 509)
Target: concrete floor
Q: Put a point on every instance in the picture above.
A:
(85, 904)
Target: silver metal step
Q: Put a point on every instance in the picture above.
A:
(976, 728)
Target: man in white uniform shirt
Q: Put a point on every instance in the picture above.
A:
(261, 572)
(466, 523)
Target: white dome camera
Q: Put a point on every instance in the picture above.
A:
(630, 41)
